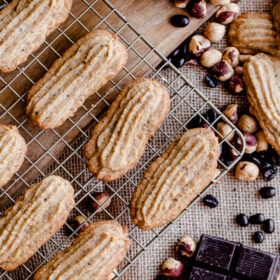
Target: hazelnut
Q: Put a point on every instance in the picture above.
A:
(222, 71)
(238, 70)
(198, 45)
(231, 112)
(262, 144)
(79, 221)
(210, 58)
(248, 124)
(197, 8)
(225, 130)
(172, 268)
(181, 3)
(244, 57)
(235, 85)
(227, 13)
(186, 246)
(246, 171)
(104, 200)
(219, 2)
(251, 143)
(192, 61)
(214, 31)
(231, 55)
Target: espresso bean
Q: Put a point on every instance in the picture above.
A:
(269, 174)
(178, 61)
(258, 237)
(256, 219)
(269, 226)
(242, 220)
(179, 20)
(267, 192)
(210, 201)
(195, 122)
(211, 81)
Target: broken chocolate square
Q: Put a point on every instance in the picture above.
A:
(199, 273)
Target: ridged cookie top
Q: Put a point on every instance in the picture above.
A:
(80, 72)
(12, 152)
(119, 139)
(24, 25)
(94, 254)
(262, 78)
(252, 33)
(33, 220)
(175, 179)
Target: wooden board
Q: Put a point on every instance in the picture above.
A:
(149, 17)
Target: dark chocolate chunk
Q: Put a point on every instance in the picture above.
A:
(199, 273)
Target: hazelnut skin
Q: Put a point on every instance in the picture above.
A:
(262, 144)
(238, 70)
(172, 268)
(225, 130)
(235, 85)
(181, 3)
(78, 221)
(214, 31)
(186, 246)
(248, 124)
(197, 8)
(198, 45)
(227, 13)
(219, 2)
(231, 112)
(222, 71)
(231, 55)
(251, 143)
(246, 171)
(210, 58)
(103, 198)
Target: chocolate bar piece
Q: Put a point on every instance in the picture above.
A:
(199, 273)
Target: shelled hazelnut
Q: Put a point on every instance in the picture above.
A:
(198, 45)
(78, 221)
(210, 58)
(103, 198)
(227, 13)
(181, 3)
(246, 171)
(248, 124)
(172, 268)
(225, 130)
(214, 31)
(219, 2)
(238, 70)
(251, 143)
(262, 144)
(186, 246)
(235, 85)
(231, 112)
(197, 8)
(222, 71)
(231, 55)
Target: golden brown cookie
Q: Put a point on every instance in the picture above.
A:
(119, 139)
(276, 19)
(262, 78)
(252, 33)
(79, 73)
(24, 26)
(12, 152)
(33, 220)
(94, 254)
(172, 181)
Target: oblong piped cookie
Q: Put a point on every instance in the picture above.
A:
(94, 254)
(24, 26)
(262, 78)
(173, 180)
(118, 141)
(80, 72)
(33, 220)
(12, 151)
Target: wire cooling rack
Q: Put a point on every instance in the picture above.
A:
(60, 151)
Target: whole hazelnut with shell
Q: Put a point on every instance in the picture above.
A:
(172, 268)
(214, 31)
(225, 130)
(235, 85)
(222, 71)
(197, 8)
(186, 246)
(227, 13)
(198, 45)
(219, 2)
(210, 58)
(231, 112)
(246, 171)
(248, 124)
(231, 55)
(262, 144)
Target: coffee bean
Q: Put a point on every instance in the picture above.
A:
(211, 115)
(269, 174)
(256, 219)
(161, 277)
(266, 165)
(258, 237)
(267, 192)
(195, 122)
(269, 226)
(211, 201)
(242, 220)
(179, 20)
(178, 61)
(254, 157)
(274, 156)
(211, 81)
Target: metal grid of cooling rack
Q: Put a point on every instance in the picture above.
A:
(60, 151)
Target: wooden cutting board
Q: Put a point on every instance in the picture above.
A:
(150, 17)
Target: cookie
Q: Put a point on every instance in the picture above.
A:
(24, 26)
(173, 180)
(119, 139)
(12, 151)
(83, 69)
(262, 79)
(33, 220)
(94, 254)
(252, 33)
(276, 20)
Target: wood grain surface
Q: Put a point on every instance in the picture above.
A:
(44, 147)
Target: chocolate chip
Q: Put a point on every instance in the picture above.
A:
(267, 192)
(179, 20)
(256, 219)
(269, 226)
(242, 220)
(210, 201)
(258, 237)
